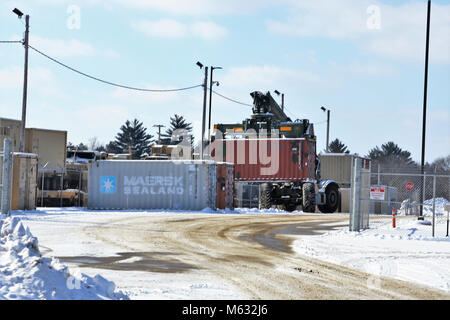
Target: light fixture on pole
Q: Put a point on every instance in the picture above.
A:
(25, 78)
(328, 126)
(210, 100)
(18, 12)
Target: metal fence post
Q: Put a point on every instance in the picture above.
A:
(434, 204)
(42, 189)
(6, 177)
(423, 195)
(447, 207)
(378, 179)
(62, 188)
(355, 222)
(79, 189)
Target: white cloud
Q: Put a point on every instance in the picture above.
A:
(208, 30)
(335, 19)
(200, 7)
(165, 28)
(66, 48)
(169, 28)
(12, 78)
(147, 98)
(402, 27)
(268, 77)
(366, 69)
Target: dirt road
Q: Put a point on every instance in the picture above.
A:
(250, 252)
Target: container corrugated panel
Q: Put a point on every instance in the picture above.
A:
(338, 167)
(345, 199)
(260, 160)
(128, 184)
(50, 145)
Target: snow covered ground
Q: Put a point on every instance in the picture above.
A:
(25, 274)
(61, 230)
(408, 252)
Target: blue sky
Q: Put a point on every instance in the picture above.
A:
(362, 59)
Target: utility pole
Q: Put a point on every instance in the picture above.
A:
(211, 84)
(205, 83)
(159, 126)
(424, 119)
(25, 85)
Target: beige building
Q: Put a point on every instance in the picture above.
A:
(10, 128)
(49, 145)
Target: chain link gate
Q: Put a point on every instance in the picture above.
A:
(425, 196)
(413, 194)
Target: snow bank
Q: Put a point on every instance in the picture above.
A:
(408, 252)
(408, 206)
(440, 207)
(25, 274)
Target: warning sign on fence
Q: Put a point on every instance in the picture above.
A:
(409, 186)
(377, 193)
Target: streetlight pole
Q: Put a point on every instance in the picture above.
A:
(205, 88)
(25, 78)
(211, 83)
(424, 119)
(328, 130)
(328, 127)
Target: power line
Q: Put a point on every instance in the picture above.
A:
(10, 41)
(232, 100)
(109, 82)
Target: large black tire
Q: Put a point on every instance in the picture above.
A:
(332, 199)
(265, 199)
(308, 197)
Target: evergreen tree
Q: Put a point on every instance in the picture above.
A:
(112, 147)
(178, 122)
(82, 147)
(391, 158)
(71, 146)
(337, 146)
(133, 137)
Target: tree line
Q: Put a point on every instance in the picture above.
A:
(391, 158)
(133, 137)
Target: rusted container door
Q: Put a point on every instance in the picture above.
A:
(225, 185)
(270, 159)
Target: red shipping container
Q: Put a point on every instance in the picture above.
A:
(258, 160)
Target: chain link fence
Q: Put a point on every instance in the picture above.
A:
(61, 187)
(408, 194)
(246, 195)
